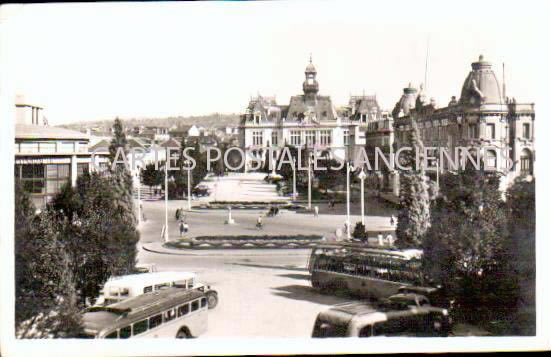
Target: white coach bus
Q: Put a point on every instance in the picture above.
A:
(168, 312)
(120, 288)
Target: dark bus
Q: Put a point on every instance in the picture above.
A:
(369, 272)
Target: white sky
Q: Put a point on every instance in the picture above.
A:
(98, 61)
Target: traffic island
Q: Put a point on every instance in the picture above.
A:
(247, 242)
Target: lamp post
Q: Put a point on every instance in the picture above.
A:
(309, 185)
(438, 174)
(166, 196)
(139, 196)
(362, 176)
(188, 184)
(294, 180)
(348, 200)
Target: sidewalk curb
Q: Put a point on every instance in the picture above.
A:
(217, 252)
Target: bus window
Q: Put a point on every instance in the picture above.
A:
(203, 302)
(139, 327)
(183, 310)
(403, 326)
(169, 315)
(155, 321)
(125, 332)
(195, 305)
(124, 292)
(112, 335)
(147, 289)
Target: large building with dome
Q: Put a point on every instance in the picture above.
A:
(483, 120)
(309, 120)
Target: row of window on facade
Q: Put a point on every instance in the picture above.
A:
(301, 137)
(489, 160)
(50, 147)
(473, 132)
(379, 125)
(44, 181)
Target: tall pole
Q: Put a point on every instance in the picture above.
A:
(189, 187)
(166, 197)
(438, 174)
(139, 197)
(348, 200)
(362, 194)
(294, 180)
(309, 186)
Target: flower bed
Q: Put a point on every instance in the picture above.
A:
(248, 242)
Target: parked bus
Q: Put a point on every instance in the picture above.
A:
(358, 319)
(369, 272)
(119, 288)
(168, 312)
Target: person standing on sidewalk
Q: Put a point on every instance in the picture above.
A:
(316, 211)
(380, 238)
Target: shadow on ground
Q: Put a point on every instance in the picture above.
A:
(307, 293)
(296, 276)
(287, 267)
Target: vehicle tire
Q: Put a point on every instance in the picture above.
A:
(183, 333)
(212, 299)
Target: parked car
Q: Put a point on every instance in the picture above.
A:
(201, 191)
(359, 319)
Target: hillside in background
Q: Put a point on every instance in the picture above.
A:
(214, 120)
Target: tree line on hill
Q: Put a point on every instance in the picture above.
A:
(214, 120)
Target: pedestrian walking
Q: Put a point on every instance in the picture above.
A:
(380, 238)
(316, 211)
(389, 239)
(177, 215)
(259, 222)
(392, 221)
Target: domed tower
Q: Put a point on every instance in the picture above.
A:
(310, 86)
(481, 85)
(406, 102)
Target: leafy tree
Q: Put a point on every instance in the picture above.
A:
(118, 141)
(152, 176)
(45, 289)
(286, 168)
(521, 253)
(414, 214)
(360, 232)
(329, 179)
(464, 246)
(98, 231)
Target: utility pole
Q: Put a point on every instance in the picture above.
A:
(294, 180)
(362, 176)
(166, 195)
(139, 196)
(348, 200)
(188, 185)
(309, 185)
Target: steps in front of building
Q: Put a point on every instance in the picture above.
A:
(149, 193)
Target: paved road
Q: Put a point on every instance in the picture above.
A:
(263, 293)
